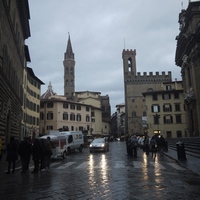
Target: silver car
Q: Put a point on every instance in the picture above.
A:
(99, 144)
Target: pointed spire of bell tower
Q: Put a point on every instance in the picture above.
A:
(69, 71)
(69, 52)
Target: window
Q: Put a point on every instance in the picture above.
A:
(67, 70)
(168, 119)
(156, 119)
(167, 108)
(178, 119)
(168, 87)
(155, 108)
(87, 108)
(177, 107)
(70, 139)
(65, 116)
(72, 106)
(49, 127)
(166, 96)
(178, 134)
(87, 118)
(41, 105)
(72, 117)
(49, 105)
(154, 97)
(92, 114)
(41, 116)
(133, 114)
(144, 113)
(78, 117)
(176, 95)
(49, 115)
(65, 105)
(133, 100)
(78, 107)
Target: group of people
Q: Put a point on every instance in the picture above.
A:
(155, 144)
(40, 150)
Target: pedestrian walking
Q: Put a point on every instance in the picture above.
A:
(161, 145)
(146, 143)
(47, 154)
(12, 154)
(36, 155)
(24, 151)
(153, 147)
(134, 143)
(128, 145)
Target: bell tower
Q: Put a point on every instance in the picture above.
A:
(69, 71)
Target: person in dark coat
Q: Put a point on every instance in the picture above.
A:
(161, 145)
(12, 154)
(128, 145)
(36, 155)
(24, 150)
(153, 146)
(47, 154)
(134, 143)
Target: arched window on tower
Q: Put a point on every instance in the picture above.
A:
(71, 71)
(130, 65)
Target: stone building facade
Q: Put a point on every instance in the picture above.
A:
(31, 104)
(166, 111)
(188, 58)
(84, 114)
(135, 84)
(14, 30)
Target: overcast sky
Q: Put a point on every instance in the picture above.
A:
(99, 31)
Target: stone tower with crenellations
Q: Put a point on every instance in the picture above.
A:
(135, 84)
(69, 71)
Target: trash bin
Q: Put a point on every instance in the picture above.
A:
(180, 150)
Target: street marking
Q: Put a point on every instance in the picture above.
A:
(82, 165)
(157, 165)
(119, 164)
(53, 164)
(137, 164)
(174, 165)
(65, 165)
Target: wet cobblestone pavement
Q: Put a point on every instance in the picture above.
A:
(111, 175)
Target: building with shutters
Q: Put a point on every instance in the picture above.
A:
(166, 111)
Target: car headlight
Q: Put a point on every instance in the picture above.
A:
(103, 145)
(90, 145)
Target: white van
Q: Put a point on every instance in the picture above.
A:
(74, 140)
(58, 143)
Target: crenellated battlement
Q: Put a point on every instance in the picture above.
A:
(151, 75)
(146, 78)
(129, 52)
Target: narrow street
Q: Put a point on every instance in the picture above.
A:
(110, 175)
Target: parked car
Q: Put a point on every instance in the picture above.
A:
(99, 144)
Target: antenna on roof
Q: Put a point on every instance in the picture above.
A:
(124, 44)
(182, 5)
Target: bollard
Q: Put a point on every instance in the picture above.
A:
(180, 151)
